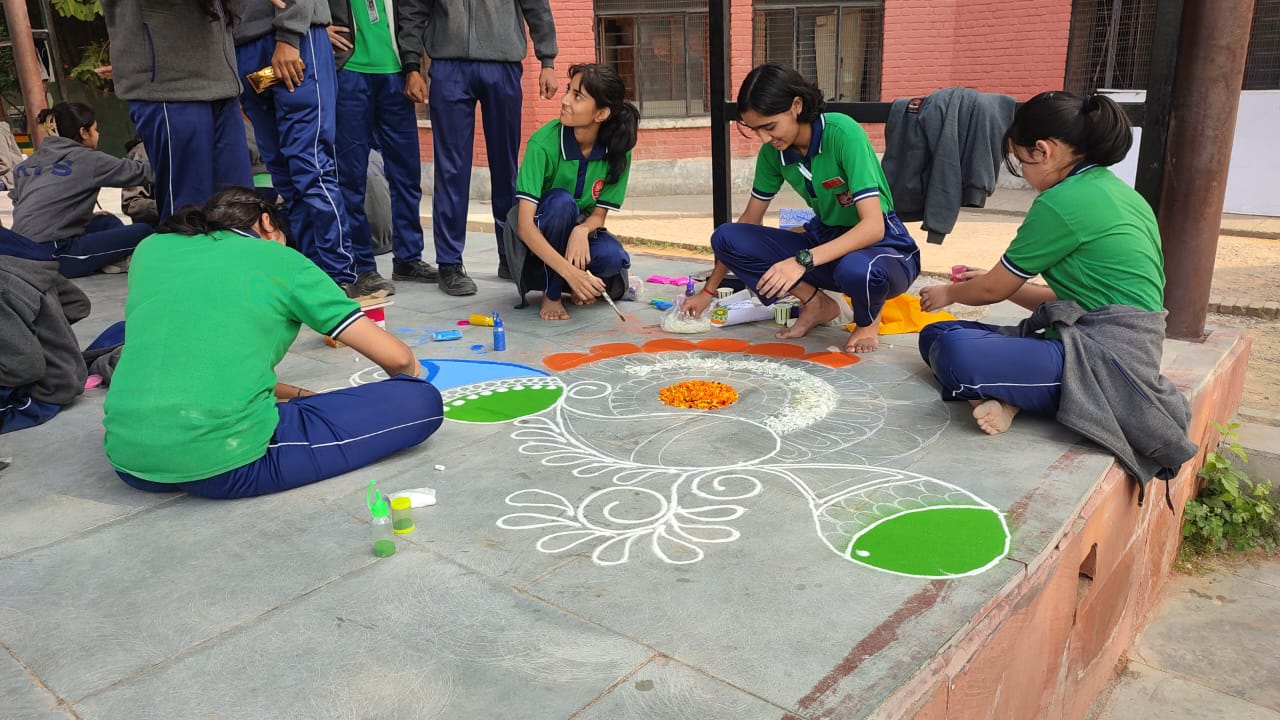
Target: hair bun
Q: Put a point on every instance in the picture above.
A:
(1089, 104)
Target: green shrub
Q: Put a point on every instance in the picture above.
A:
(1231, 513)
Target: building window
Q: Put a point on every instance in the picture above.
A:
(659, 47)
(839, 46)
(1110, 45)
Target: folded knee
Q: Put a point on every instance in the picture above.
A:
(558, 203)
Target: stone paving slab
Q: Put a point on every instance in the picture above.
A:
(745, 603)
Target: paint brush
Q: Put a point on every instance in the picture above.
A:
(609, 300)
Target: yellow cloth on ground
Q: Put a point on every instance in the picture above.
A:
(903, 315)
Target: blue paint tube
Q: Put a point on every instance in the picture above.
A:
(499, 334)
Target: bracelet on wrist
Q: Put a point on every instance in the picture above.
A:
(709, 290)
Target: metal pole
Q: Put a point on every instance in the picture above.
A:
(1201, 129)
(26, 62)
(718, 47)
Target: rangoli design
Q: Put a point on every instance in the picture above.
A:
(807, 421)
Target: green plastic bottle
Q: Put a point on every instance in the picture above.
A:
(384, 543)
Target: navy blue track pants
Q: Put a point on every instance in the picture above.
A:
(456, 87)
(326, 435)
(373, 107)
(295, 134)
(195, 149)
(975, 361)
(557, 215)
(105, 240)
(869, 276)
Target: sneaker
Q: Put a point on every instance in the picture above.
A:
(416, 271)
(454, 280)
(355, 292)
(504, 270)
(371, 282)
(117, 267)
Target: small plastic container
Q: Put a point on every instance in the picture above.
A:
(723, 292)
(442, 335)
(483, 320)
(402, 515)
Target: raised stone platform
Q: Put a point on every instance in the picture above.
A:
(836, 544)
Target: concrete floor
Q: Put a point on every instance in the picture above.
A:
(603, 559)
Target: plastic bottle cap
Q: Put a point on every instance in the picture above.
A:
(401, 503)
(377, 508)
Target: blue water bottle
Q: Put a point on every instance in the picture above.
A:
(499, 334)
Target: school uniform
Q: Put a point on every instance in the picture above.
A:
(55, 191)
(1095, 241)
(372, 108)
(566, 187)
(295, 129)
(204, 419)
(839, 169)
(476, 50)
(176, 67)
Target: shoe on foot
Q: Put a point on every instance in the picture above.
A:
(371, 282)
(504, 270)
(355, 292)
(119, 266)
(416, 271)
(454, 280)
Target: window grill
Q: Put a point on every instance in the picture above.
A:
(659, 48)
(837, 45)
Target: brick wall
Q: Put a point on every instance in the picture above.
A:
(1016, 47)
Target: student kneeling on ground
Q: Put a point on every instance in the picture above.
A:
(56, 188)
(214, 304)
(42, 368)
(574, 172)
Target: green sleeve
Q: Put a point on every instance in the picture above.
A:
(536, 170)
(858, 161)
(316, 300)
(768, 179)
(1043, 240)
(611, 196)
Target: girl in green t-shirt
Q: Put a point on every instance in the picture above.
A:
(1091, 237)
(573, 173)
(854, 245)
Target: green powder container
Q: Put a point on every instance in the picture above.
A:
(402, 515)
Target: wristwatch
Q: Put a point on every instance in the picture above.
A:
(805, 258)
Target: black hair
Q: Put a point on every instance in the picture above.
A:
(1094, 126)
(769, 89)
(69, 118)
(618, 132)
(236, 208)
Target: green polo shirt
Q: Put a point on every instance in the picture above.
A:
(375, 49)
(208, 317)
(552, 159)
(1095, 240)
(839, 169)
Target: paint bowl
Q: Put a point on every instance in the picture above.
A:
(781, 313)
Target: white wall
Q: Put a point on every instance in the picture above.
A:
(1253, 187)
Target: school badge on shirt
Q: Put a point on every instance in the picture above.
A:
(596, 188)
(844, 198)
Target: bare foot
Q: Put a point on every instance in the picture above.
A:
(993, 416)
(819, 310)
(552, 310)
(864, 339)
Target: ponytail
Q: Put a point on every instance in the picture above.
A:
(1096, 127)
(236, 208)
(619, 131)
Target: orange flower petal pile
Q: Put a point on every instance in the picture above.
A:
(699, 395)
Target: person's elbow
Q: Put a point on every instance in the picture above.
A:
(402, 361)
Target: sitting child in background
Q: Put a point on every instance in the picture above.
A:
(55, 191)
(139, 201)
